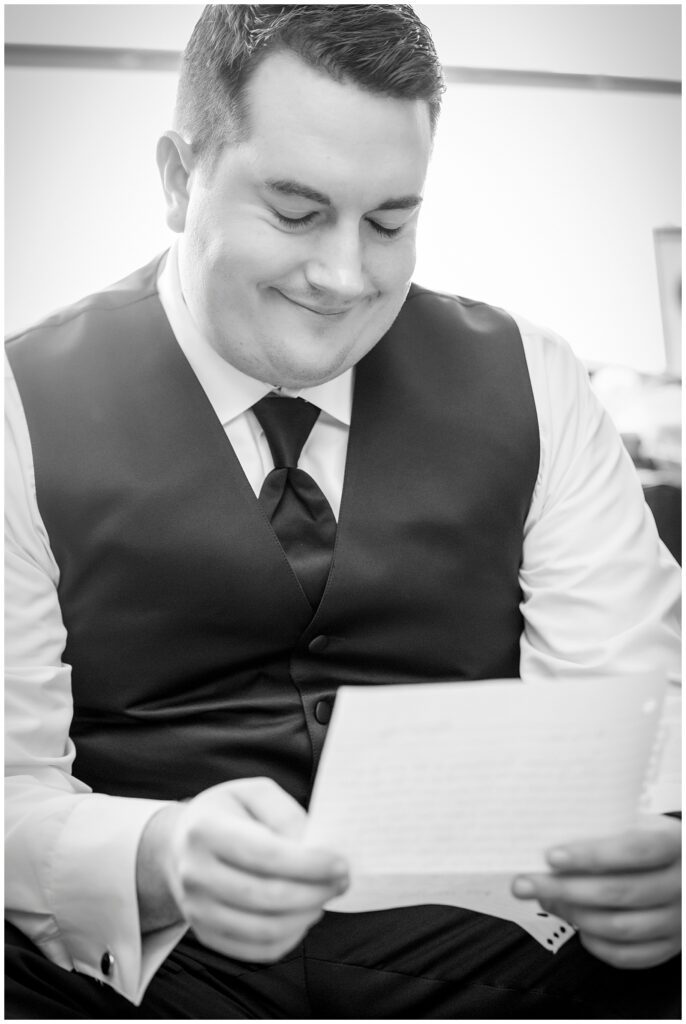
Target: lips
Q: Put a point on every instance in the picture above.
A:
(320, 310)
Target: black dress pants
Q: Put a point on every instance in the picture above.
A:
(434, 963)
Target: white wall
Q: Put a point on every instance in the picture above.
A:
(642, 40)
(144, 26)
(545, 201)
(625, 39)
(542, 200)
(83, 204)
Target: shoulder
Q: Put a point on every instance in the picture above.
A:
(550, 361)
(124, 294)
(486, 334)
(544, 346)
(559, 380)
(457, 309)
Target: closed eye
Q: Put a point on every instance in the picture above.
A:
(385, 232)
(294, 223)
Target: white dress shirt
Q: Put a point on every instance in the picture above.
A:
(600, 595)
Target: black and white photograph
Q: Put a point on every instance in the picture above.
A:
(343, 516)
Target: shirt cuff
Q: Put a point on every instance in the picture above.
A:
(93, 894)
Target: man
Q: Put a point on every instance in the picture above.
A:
(464, 469)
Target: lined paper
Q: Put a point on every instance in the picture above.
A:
(442, 792)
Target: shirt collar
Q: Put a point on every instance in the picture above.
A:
(230, 391)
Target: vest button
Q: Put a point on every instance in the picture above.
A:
(107, 963)
(322, 712)
(319, 644)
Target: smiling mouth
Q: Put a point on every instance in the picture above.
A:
(320, 311)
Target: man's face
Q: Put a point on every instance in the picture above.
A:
(299, 244)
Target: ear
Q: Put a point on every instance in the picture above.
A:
(175, 162)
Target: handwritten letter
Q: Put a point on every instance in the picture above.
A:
(441, 792)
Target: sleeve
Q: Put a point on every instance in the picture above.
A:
(600, 591)
(70, 854)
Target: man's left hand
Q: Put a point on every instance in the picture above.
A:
(621, 893)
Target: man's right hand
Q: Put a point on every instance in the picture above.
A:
(230, 863)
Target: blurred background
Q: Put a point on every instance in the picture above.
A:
(554, 188)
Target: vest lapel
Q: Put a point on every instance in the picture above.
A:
(194, 413)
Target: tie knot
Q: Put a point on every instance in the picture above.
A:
(287, 423)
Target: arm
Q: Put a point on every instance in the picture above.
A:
(601, 596)
(601, 592)
(67, 850)
(89, 874)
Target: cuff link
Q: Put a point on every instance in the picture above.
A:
(107, 963)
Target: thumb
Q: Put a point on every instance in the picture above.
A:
(270, 805)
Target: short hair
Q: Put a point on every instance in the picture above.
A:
(383, 48)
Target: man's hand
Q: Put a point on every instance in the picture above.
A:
(232, 861)
(622, 893)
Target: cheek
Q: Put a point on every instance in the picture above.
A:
(234, 244)
(390, 267)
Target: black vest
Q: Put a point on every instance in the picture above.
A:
(194, 653)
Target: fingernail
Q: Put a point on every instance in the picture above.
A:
(558, 858)
(523, 887)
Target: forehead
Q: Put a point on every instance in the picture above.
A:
(334, 136)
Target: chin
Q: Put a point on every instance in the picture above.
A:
(297, 377)
(307, 369)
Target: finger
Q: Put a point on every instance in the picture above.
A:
(246, 891)
(630, 956)
(249, 846)
(622, 926)
(252, 953)
(271, 805)
(642, 889)
(637, 849)
(250, 936)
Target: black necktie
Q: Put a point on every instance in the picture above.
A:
(300, 514)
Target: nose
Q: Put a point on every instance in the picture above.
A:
(337, 266)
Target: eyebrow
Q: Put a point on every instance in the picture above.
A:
(294, 188)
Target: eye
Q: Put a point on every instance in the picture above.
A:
(293, 223)
(385, 232)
